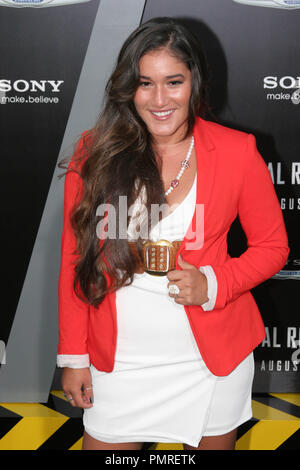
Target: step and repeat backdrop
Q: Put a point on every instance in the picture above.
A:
(54, 66)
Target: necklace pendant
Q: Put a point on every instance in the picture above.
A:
(185, 164)
(174, 183)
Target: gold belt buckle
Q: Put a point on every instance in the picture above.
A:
(150, 255)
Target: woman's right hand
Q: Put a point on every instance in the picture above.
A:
(77, 384)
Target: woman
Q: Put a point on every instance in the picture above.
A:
(157, 325)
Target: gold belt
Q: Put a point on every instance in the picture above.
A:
(157, 257)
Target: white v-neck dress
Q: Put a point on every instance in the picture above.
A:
(160, 389)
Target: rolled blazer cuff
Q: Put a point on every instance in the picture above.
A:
(74, 361)
(212, 287)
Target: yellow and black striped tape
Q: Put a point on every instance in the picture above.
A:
(56, 425)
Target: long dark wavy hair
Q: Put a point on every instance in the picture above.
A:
(118, 153)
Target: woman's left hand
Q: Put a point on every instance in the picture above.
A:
(191, 282)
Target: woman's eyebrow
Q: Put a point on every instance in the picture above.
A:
(176, 75)
(168, 77)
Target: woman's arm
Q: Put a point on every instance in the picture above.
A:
(73, 312)
(262, 221)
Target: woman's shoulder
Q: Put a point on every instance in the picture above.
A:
(235, 149)
(82, 149)
(220, 133)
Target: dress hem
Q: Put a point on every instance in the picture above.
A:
(162, 438)
(116, 439)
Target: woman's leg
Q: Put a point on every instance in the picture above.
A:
(223, 442)
(89, 443)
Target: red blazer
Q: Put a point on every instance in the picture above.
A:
(232, 179)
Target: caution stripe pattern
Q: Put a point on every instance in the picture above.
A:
(56, 425)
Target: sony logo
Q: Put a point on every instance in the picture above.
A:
(286, 82)
(22, 86)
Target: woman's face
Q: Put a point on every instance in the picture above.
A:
(163, 95)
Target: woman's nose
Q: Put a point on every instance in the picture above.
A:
(160, 97)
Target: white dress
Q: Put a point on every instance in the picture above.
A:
(160, 389)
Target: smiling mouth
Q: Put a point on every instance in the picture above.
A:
(163, 114)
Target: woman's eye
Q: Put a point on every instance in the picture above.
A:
(175, 82)
(144, 84)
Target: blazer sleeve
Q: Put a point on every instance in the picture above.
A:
(262, 221)
(73, 313)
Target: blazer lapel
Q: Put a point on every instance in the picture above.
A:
(206, 159)
(206, 167)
